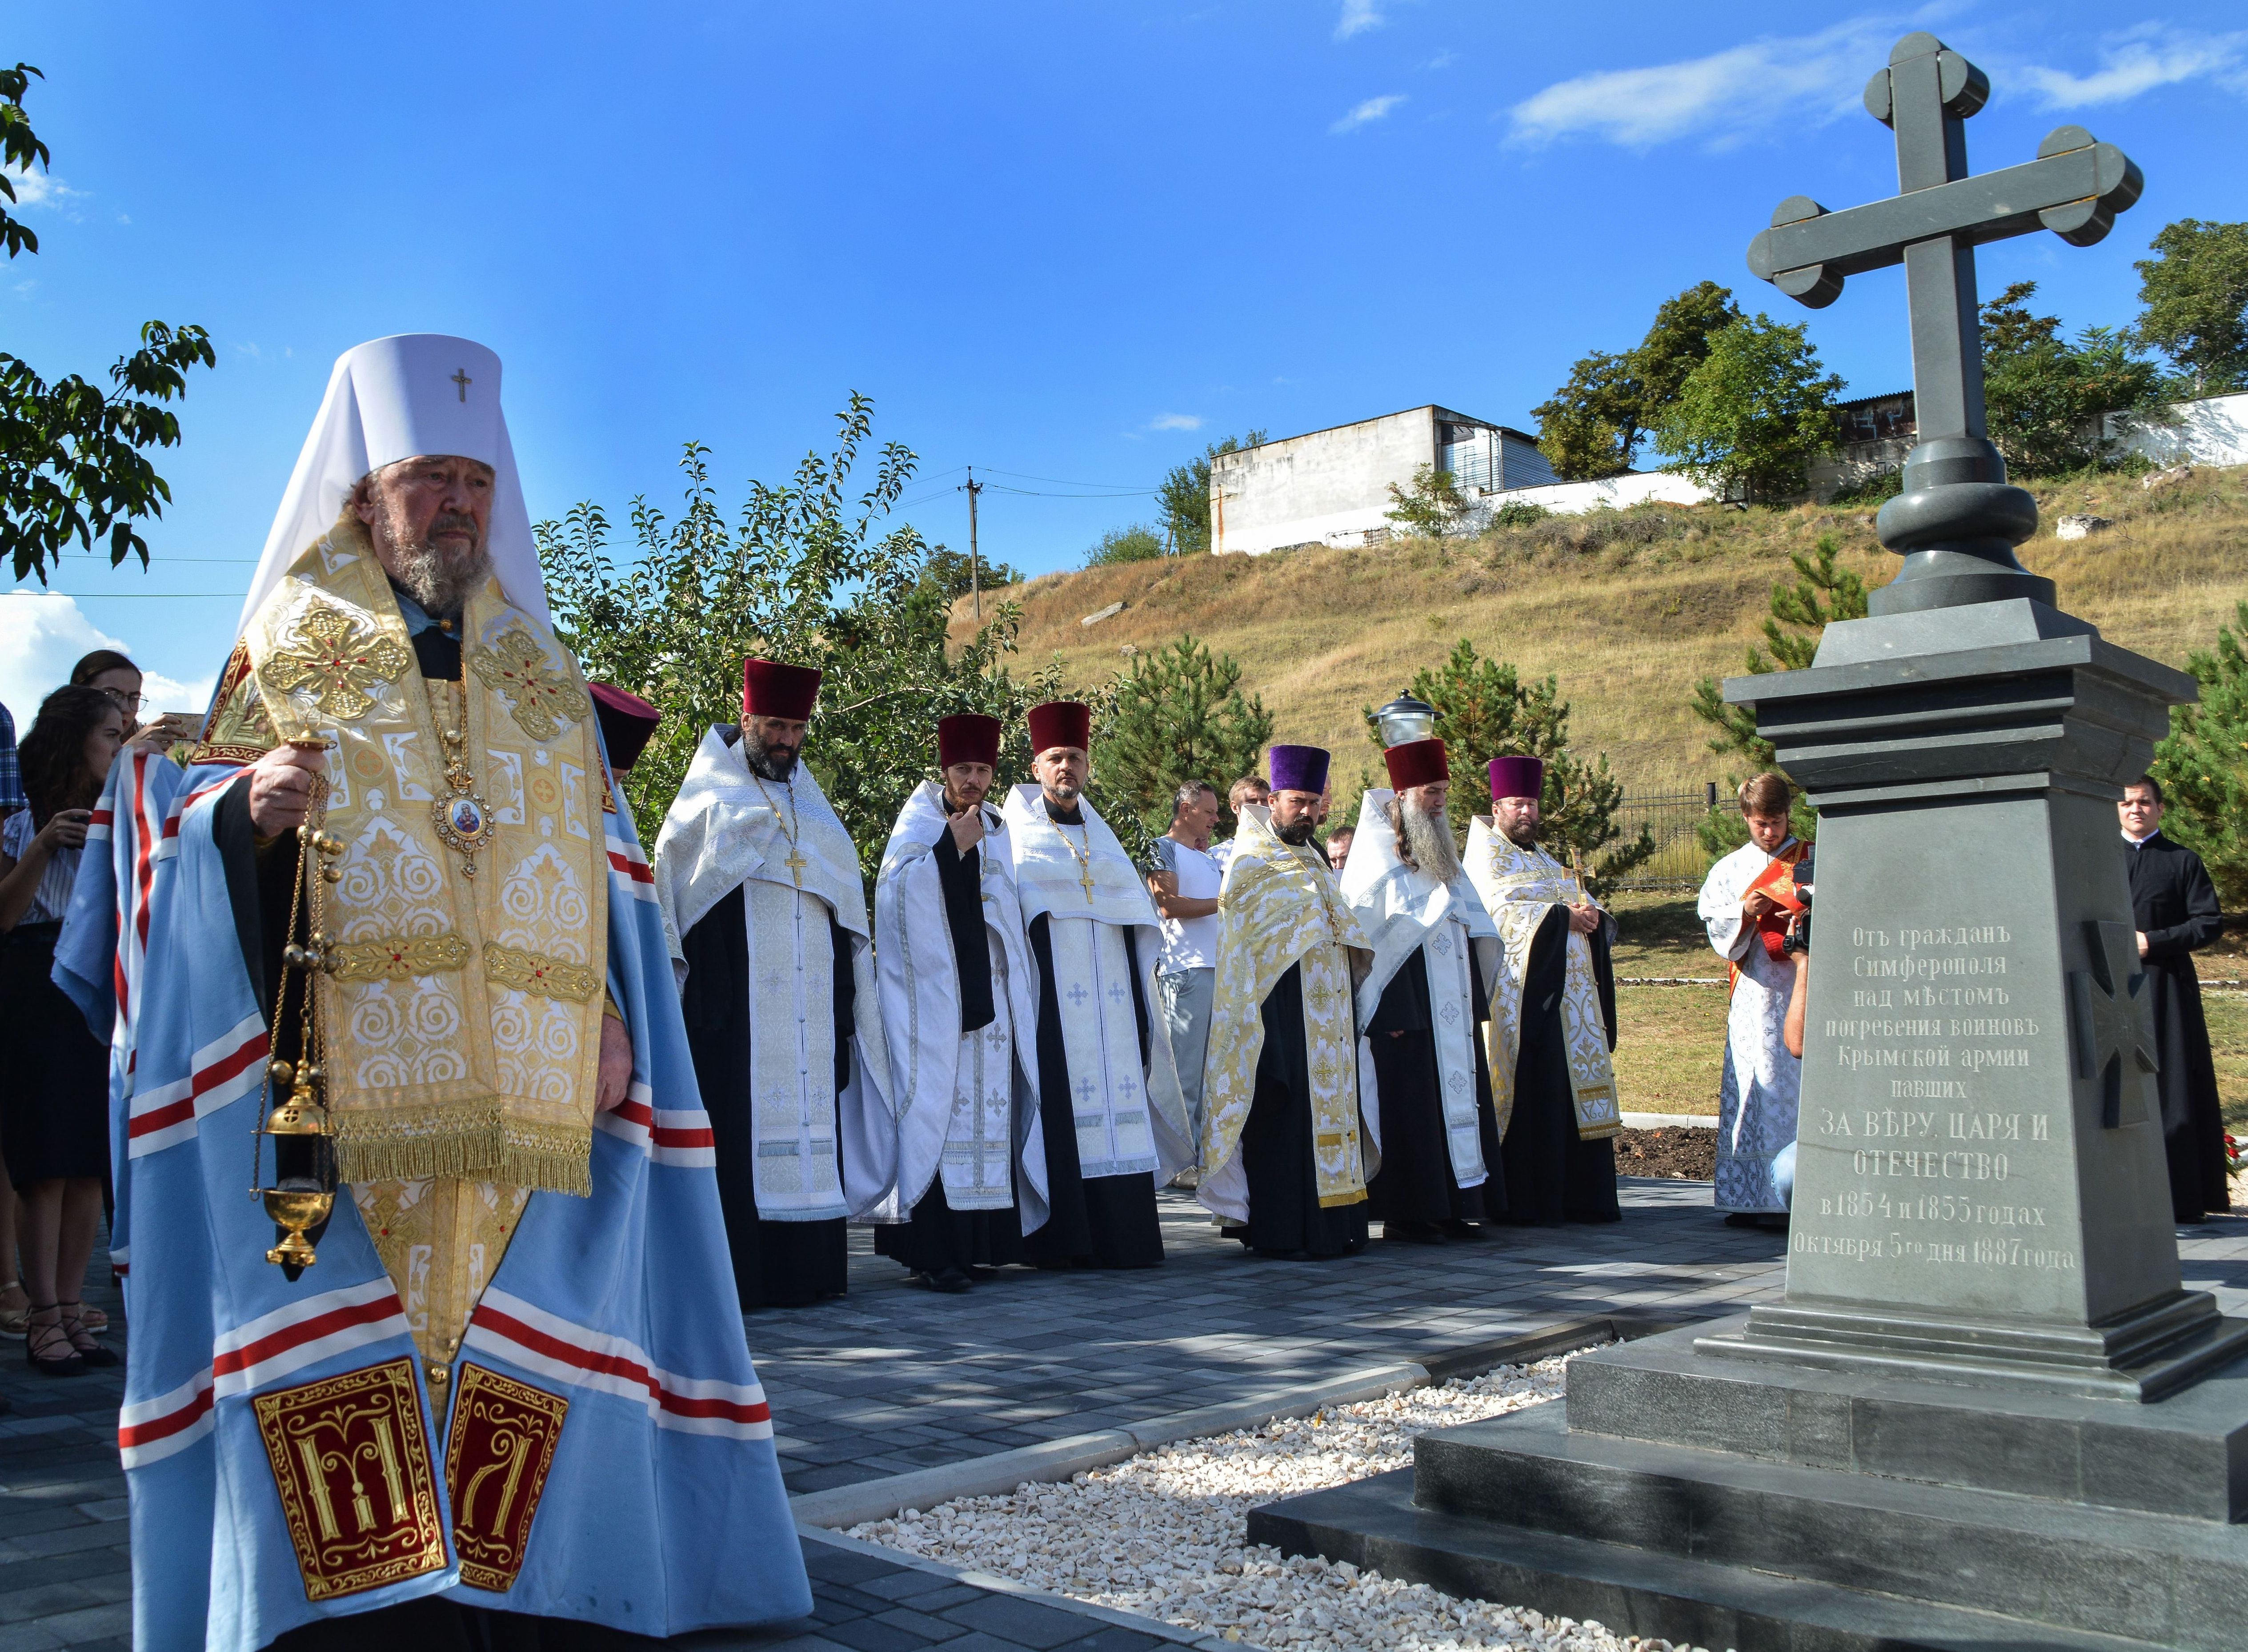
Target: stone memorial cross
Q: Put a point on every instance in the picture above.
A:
(1956, 522)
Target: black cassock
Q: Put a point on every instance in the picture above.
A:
(776, 1265)
(2174, 905)
(1416, 1182)
(1109, 1221)
(1286, 1217)
(939, 1237)
(1551, 1173)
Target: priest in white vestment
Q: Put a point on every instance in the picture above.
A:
(1757, 1097)
(1553, 1021)
(960, 1006)
(1285, 1148)
(767, 918)
(1112, 1119)
(1435, 957)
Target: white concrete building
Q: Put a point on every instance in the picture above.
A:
(1331, 487)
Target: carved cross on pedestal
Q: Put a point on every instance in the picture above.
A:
(1956, 522)
(2111, 1022)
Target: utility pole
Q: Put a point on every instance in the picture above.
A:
(974, 566)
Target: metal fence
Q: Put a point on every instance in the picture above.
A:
(1670, 817)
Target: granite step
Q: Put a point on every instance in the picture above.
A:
(1375, 1524)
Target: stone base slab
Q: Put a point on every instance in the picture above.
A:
(1375, 1524)
(2186, 1455)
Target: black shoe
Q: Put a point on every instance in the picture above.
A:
(1744, 1219)
(81, 1340)
(1413, 1232)
(1466, 1232)
(40, 1346)
(950, 1281)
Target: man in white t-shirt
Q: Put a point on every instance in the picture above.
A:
(1249, 789)
(1185, 889)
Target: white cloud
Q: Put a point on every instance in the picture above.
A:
(1176, 422)
(1723, 97)
(43, 190)
(1358, 16)
(1373, 109)
(2141, 60)
(44, 634)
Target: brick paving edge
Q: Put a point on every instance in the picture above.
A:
(1000, 1472)
(1199, 1640)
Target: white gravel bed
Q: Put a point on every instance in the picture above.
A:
(1161, 1533)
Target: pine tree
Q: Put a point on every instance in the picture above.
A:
(1177, 715)
(1484, 711)
(1822, 593)
(2203, 766)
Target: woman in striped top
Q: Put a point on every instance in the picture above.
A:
(54, 1073)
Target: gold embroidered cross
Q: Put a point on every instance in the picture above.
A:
(346, 655)
(543, 700)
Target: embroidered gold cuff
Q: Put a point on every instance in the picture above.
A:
(397, 958)
(534, 973)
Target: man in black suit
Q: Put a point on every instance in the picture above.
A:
(2174, 905)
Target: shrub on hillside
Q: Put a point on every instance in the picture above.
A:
(1138, 542)
(2201, 765)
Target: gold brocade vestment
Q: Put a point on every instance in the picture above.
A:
(461, 1016)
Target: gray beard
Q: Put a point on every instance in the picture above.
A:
(439, 584)
(1424, 841)
(771, 765)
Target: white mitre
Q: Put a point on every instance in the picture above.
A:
(404, 397)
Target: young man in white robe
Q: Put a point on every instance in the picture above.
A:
(1757, 1098)
(1112, 1120)
(767, 918)
(1287, 1145)
(1553, 1016)
(960, 1007)
(1435, 957)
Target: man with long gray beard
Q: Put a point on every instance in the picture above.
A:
(1553, 1015)
(767, 918)
(1435, 955)
(391, 902)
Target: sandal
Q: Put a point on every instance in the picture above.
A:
(41, 1340)
(15, 1321)
(81, 1339)
(93, 1319)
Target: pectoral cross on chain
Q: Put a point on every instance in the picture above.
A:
(460, 378)
(796, 863)
(1932, 226)
(1085, 878)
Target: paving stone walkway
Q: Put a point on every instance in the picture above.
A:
(893, 1379)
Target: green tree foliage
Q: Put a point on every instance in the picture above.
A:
(2203, 765)
(1177, 715)
(2044, 396)
(71, 464)
(1433, 505)
(1822, 592)
(1592, 425)
(1484, 710)
(1749, 418)
(801, 574)
(1184, 496)
(1138, 542)
(944, 574)
(2195, 296)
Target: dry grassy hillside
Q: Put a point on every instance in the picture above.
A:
(1626, 608)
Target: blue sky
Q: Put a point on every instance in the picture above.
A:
(1069, 241)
